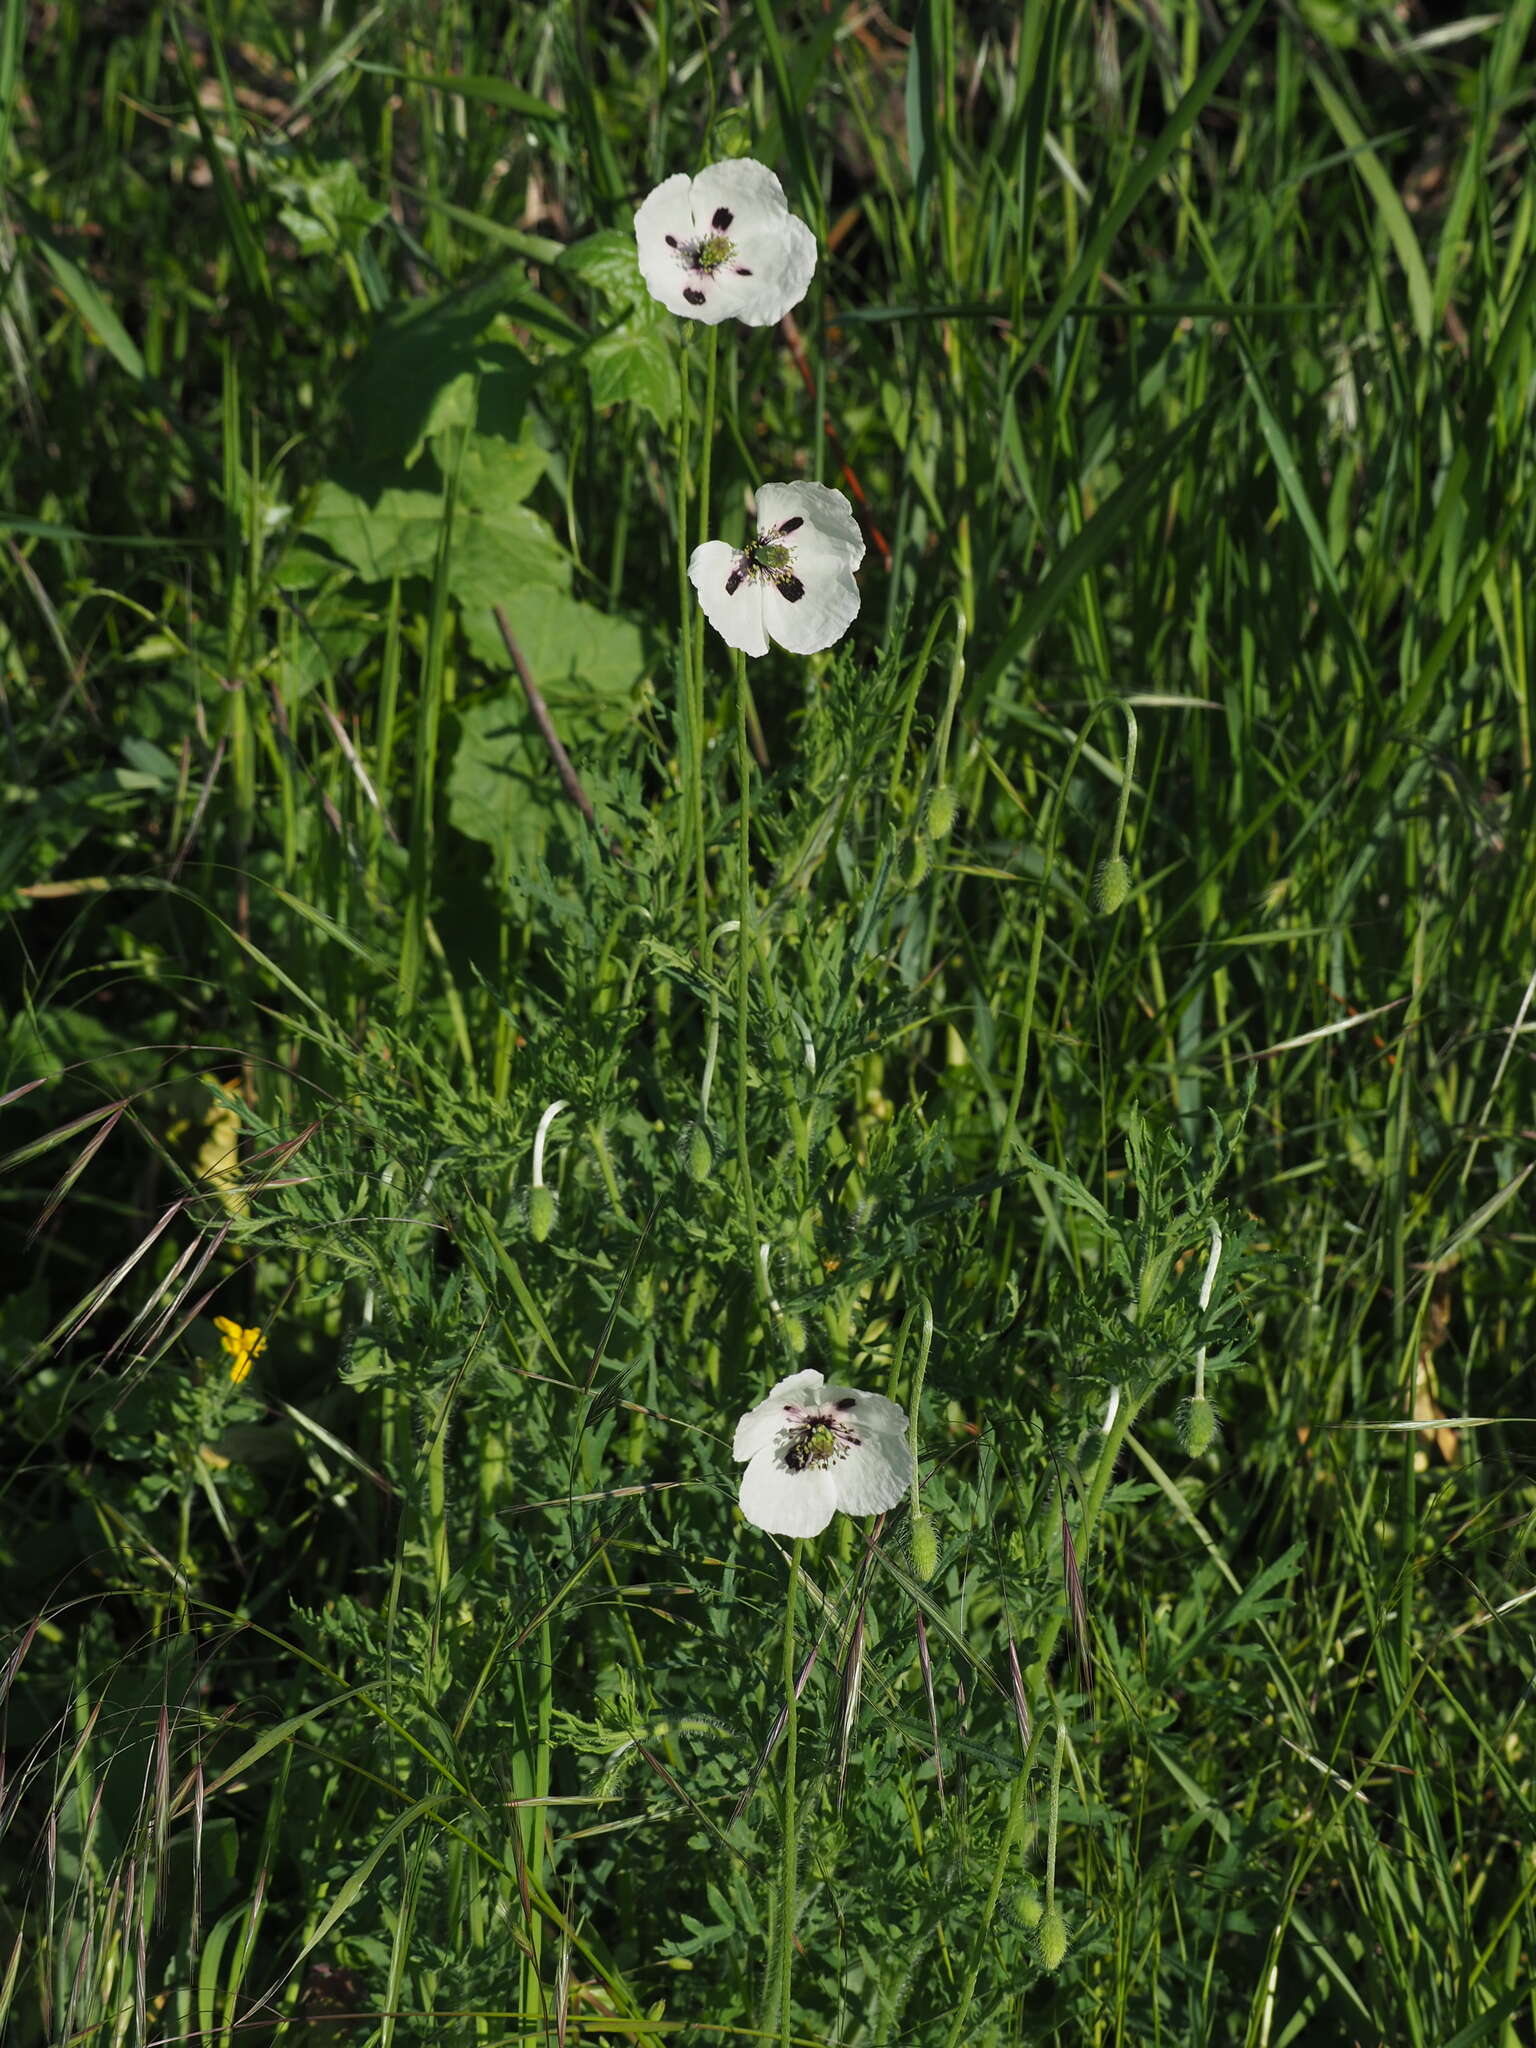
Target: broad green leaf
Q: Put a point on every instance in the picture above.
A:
(499, 545)
(414, 363)
(496, 794)
(396, 535)
(584, 662)
(610, 263)
(635, 365)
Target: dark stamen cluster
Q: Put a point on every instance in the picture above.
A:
(766, 556)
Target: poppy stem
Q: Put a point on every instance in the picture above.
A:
(790, 1847)
(745, 941)
(689, 695)
(696, 617)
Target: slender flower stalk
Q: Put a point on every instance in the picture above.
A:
(925, 1548)
(542, 1206)
(744, 943)
(789, 1814)
(1051, 1937)
(689, 690)
(696, 712)
(1206, 1286)
(1198, 1421)
(712, 1036)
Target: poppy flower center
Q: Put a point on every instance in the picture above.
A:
(816, 1442)
(767, 557)
(708, 253)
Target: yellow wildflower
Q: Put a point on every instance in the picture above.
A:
(241, 1344)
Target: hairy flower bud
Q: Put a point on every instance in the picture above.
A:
(942, 806)
(1197, 1424)
(1051, 1939)
(1112, 887)
(919, 860)
(701, 1154)
(543, 1207)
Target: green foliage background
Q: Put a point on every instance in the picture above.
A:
(424, 1682)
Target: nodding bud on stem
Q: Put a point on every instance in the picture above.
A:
(543, 1208)
(940, 817)
(919, 860)
(701, 1154)
(542, 1204)
(925, 1546)
(1198, 1423)
(1051, 1939)
(794, 1332)
(1112, 887)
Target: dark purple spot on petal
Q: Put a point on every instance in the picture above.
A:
(732, 585)
(671, 241)
(793, 589)
(847, 1402)
(694, 298)
(792, 525)
(742, 270)
(722, 219)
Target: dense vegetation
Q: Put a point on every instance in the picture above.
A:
(1098, 990)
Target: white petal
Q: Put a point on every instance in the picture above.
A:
(787, 1503)
(870, 1413)
(747, 190)
(760, 1425)
(668, 211)
(873, 1476)
(769, 273)
(774, 255)
(803, 1388)
(828, 530)
(827, 606)
(737, 616)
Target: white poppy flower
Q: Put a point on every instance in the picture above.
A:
(724, 245)
(812, 1448)
(793, 581)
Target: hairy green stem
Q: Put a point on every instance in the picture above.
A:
(744, 942)
(786, 1916)
(696, 667)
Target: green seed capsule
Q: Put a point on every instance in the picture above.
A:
(1112, 887)
(1026, 1906)
(1198, 1425)
(1051, 1939)
(942, 806)
(542, 1210)
(701, 1154)
(925, 1546)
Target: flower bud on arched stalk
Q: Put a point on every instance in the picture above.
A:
(543, 1206)
(1197, 1420)
(701, 1154)
(1051, 1935)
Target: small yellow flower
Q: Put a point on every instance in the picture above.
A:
(242, 1346)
